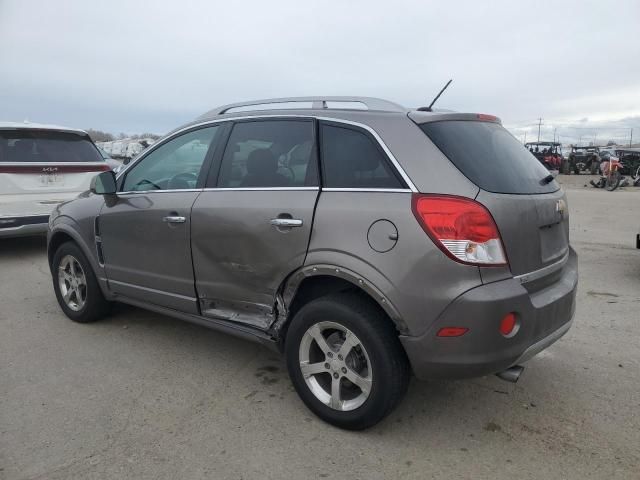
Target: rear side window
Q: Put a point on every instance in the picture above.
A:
(18, 146)
(488, 155)
(270, 154)
(352, 159)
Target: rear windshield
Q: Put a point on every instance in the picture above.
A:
(46, 146)
(488, 155)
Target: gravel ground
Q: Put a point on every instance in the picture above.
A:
(144, 396)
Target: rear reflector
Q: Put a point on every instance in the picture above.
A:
(54, 168)
(462, 228)
(452, 331)
(508, 324)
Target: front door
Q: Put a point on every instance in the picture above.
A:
(251, 229)
(145, 230)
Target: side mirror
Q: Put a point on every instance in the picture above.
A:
(103, 184)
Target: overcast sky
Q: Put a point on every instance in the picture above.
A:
(127, 66)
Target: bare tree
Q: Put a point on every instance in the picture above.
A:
(99, 135)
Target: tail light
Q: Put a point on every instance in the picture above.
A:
(462, 228)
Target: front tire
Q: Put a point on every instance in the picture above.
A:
(613, 181)
(75, 285)
(345, 361)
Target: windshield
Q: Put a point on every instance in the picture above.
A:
(488, 155)
(46, 146)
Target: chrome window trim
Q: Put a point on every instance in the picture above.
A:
(542, 272)
(258, 189)
(373, 190)
(383, 145)
(138, 192)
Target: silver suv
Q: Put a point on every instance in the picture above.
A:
(363, 240)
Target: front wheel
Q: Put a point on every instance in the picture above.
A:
(613, 181)
(345, 361)
(75, 285)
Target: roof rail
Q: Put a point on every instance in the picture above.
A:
(316, 102)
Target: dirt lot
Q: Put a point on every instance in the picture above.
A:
(145, 396)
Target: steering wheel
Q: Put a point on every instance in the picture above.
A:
(290, 173)
(144, 181)
(185, 177)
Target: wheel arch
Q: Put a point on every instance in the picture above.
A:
(314, 281)
(63, 232)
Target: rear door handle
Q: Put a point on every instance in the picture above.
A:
(172, 219)
(286, 222)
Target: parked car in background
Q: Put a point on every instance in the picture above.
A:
(548, 154)
(125, 149)
(365, 244)
(630, 160)
(41, 166)
(114, 164)
(584, 159)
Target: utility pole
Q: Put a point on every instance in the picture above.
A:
(554, 134)
(631, 138)
(539, 123)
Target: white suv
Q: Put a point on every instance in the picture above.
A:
(41, 166)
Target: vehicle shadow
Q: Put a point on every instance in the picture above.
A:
(11, 247)
(476, 404)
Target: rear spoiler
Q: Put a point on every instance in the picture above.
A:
(425, 117)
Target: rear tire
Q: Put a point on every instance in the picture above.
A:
(375, 360)
(75, 285)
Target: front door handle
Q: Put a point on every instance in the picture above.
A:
(286, 222)
(172, 219)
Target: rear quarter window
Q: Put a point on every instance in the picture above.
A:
(352, 159)
(488, 155)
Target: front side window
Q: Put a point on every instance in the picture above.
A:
(269, 154)
(352, 159)
(174, 165)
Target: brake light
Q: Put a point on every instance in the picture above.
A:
(462, 228)
(487, 118)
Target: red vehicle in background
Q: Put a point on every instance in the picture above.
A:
(547, 153)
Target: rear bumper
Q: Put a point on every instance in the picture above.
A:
(544, 316)
(28, 214)
(13, 226)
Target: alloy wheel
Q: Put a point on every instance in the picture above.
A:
(72, 282)
(335, 366)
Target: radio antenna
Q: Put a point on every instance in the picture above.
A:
(428, 109)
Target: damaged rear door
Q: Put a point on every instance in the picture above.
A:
(250, 228)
